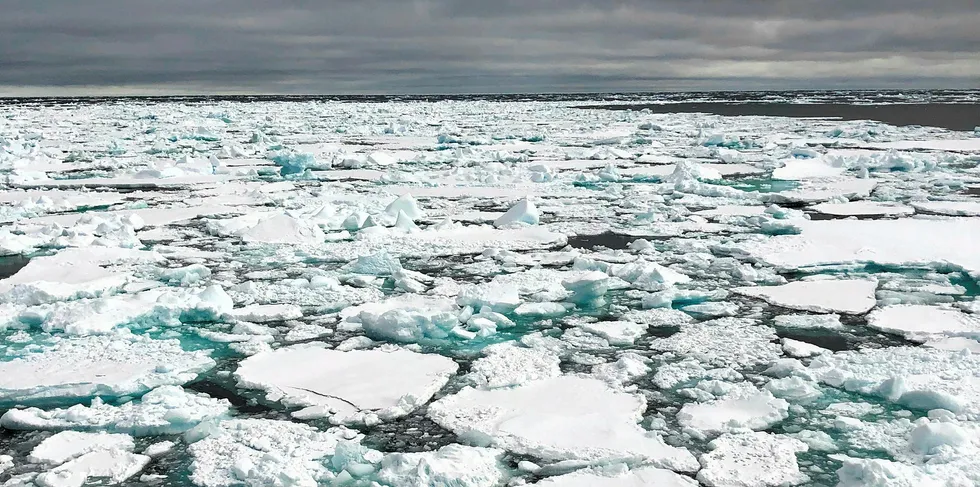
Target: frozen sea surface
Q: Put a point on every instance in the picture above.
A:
(715, 289)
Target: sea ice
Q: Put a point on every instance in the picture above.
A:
(752, 460)
(848, 296)
(164, 410)
(619, 476)
(533, 420)
(734, 342)
(506, 365)
(918, 323)
(259, 452)
(107, 366)
(451, 465)
(743, 407)
(387, 383)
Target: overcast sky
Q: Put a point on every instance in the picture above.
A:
(51, 47)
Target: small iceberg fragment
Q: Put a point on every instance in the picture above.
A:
(451, 465)
(523, 212)
(404, 204)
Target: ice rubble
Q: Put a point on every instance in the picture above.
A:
(259, 452)
(349, 386)
(533, 420)
(846, 296)
(222, 206)
(752, 460)
(164, 410)
(919, 322)
(107, 366)
(619, 476)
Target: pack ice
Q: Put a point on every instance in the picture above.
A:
(485, 291)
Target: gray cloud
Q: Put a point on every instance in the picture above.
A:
(339, 46)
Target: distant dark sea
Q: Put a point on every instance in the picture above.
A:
(950, 109)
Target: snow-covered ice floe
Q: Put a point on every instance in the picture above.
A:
(484, 292)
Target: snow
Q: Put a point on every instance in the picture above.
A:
(283, 229)
(349, 385)
(918, 322)
(532, 420)
(752, 460)
(108, 366)
(846, 296)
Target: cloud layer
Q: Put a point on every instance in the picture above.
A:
(456, 46)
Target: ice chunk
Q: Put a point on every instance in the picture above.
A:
(164, 410)
(258, 452)
(752, 460)
(951, 208)
(897, 242)
(828, 322)
(502, 298)
(744, 407)
(848, 296)
(71, 274)
(506, 365)
(114, 465)
(264, 313)
(409, 319)
(404, 204)
(917, 322)
(863, 208)
(615, 332)
(797, 169)
(533, 420)
(724, 342)
(796, 348)
(66, 445)
(587, 288)
(283, 229)
(919, 378)
(455, 465)
(523, 212)
(109, 366)
(620, 476)
(388, 383)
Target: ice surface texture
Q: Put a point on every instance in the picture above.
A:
(486, 292)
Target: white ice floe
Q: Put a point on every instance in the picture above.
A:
(346, 385)
(533, 420)
(507, 365)
(742, 407)
(451, 465)
(723, 342)
(164, 410)
(619, 476)
(82, 456)
(72, 274)
(797, 169)
(264, 313)
(919, 323)
(863, 208)
(847, 296)
(752, 460)
(108, 366)
(908, 241)
(260, 452)
(919, 378)
(827, 321)
(951, 208)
